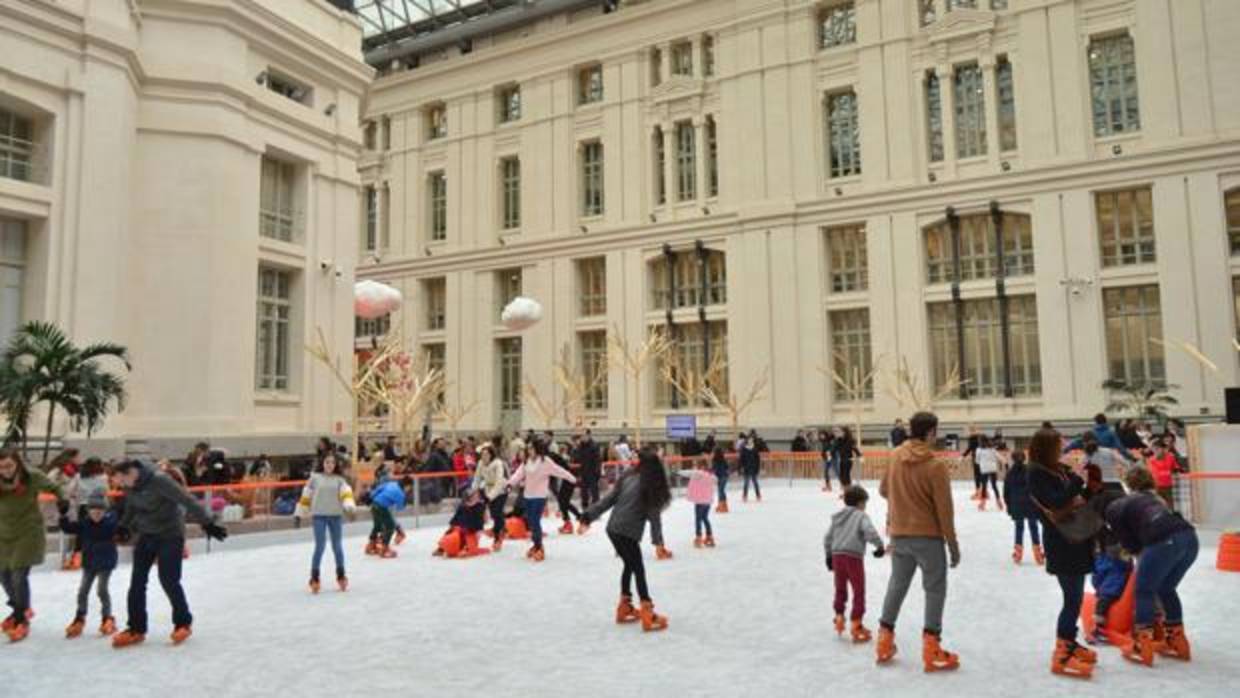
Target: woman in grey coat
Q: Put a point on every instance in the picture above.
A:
(640, 495)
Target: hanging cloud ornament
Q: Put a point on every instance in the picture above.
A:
(521, 313)
(372, 299)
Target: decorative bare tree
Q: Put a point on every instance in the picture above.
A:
(406, 385)
(576, 384)
(546, 409)
(731, 402)
(855, 385)
(912, 392)
(634, 361)
(454, 414)
(689, 382)
(358, 382)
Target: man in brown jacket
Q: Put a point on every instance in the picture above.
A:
(920, 518)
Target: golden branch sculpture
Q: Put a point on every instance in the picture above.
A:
(357, 383)
(545, 409)
(854, 384)
(454, 414)
(407, 386)
(689, 381)
(1193, 352)
(731, 402)
(576, 385)
(634, 361)
(913, 393)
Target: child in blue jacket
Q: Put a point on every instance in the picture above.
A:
(384, 500)
(97, 533)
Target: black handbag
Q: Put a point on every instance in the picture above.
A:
(1077, 522)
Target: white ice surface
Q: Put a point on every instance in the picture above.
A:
(750, 618)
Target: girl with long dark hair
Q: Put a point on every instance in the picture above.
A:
(639, 496)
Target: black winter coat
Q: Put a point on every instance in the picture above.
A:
(1016, 493)
(1143, 519)
(1055, 489)
(99, 552)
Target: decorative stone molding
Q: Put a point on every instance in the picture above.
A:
(961, 23)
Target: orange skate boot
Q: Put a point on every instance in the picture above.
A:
(75, 628)
(860, 633)
(651, 621)
(886, 648)
(934, 657)
(625, 612)
(1065, 661)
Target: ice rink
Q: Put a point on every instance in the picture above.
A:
(750, 618)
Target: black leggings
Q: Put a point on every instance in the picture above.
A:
(846, 465)
(993, 479)
(16, 583)
(978, 482)
(496, 506)
(565, 501)
(630, 551)
(1073, 588)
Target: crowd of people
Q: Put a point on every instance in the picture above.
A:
(1094, 505)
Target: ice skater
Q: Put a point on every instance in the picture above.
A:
(564, 493)
(536, 474)
(844, 544)
(988, 461)
(327, 498)
(385, 500)
(155, 512)
(461, 538)
(701, 493)
(22, 541)
(750, 463)
(96, 529)
(1166, 547)
(639, 496)
(719, 464)
(491, 478)
(1020, 509)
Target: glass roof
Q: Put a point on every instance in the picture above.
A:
(383, 16)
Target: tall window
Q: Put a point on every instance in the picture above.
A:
(708, 56)
(378, 327)
(436, 121)
(847, 267)
(16, 146)
(1126, 226)
(436, 303)
(970, 96)
(509, 353)
(1232, 205)
(682, 59)
(660, 181)
(509, 103)
(437, 360)
(978, 248)
(372, 220)
(592, 286)
(12, 271)
(590, 84)
(594, 367)
(1133, 320)
(508, 287)
(276, 216)
(690, 354)
(694, 280)
(712, 158)
(934, 117)
(850, 352)
(1007, 104)
(837, 25)
(592, 179)
(686, 162)
(510, 173)
(1113, 85)
(982, 367)
(275, 309)
(437, 191)
(844, 134)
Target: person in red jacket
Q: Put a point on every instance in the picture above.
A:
(1162, 465)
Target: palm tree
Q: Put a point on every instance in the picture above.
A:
(49, 368)
(1140, 399)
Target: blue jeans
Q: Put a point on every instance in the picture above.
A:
(167, 552)
(1073, 587)
(1034, 532)
(322, 526)
(533, 518)
(1160, 569)
(701, 517)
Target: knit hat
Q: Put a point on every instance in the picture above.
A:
(97, 500)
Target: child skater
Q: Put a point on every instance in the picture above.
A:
(97, 531)
(719, 464)
(844, 545)
(327, 498)
(640, 495)
(1112, 564)
(384, 501)
(701, 492)
(491, 478)
(1020, 508)
(987, 458)
(536, 474)
(22, 539)
(461, 538)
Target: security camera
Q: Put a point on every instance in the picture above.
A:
(325, 265)
(261, 78)
(339, 273)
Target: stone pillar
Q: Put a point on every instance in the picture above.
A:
(947, 98)
(991, 94)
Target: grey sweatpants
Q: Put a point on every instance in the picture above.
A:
(105, 599)
(908, 554)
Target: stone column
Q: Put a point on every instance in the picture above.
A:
(991, 94)
(947, 98)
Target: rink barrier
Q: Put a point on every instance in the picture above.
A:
(257, 498)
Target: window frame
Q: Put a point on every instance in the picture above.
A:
(847, 258)
(932, 88)
(590, 87)
(592, 286)
(969, 97)
(1143, 319)
(712, 156)
(436, 121)
(508, 371)
(509, 285)
(593, 203)
(592, 355)
(278, 217)
(1231, 218)
(850, 343)
(682, 59)
(1144, 246)
(686, 161)
(14, 261)
(843, 134)
(436, 291)
(437, 205)
(277, 355)
(510, 193)
(836, 13)
(983, 339)
(510, 104)
(1107, 54)
(1005, 105)
(18, 147)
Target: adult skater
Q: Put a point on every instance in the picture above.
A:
(536, 474)
(1054, 487)
(750, 463)
(1166, 546)
(155, 512)
(22, 541)
(327, 498)
(921, 521)
(640, 495)
(845, 449)
(587, 457)
(491, 477)
(719, 464)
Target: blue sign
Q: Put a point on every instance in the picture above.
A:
(682, 426)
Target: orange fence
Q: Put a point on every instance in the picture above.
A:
(808, 465)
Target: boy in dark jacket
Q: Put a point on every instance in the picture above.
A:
(97, 533)
(461, 538)
(1020, 508)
